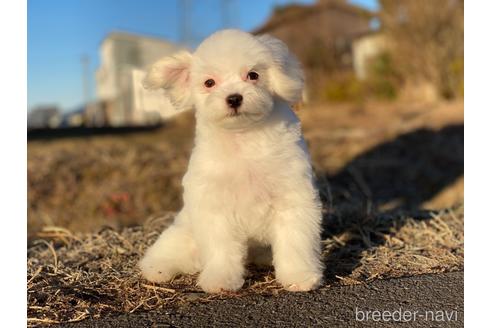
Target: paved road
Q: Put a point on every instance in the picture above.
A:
(419, 301)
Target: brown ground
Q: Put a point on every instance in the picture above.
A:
(390, 176)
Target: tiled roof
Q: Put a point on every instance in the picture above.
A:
(295, 12)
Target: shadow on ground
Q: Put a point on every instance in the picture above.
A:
(379, 190)
(84, 132)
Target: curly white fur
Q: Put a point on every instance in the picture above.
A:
(249, 186)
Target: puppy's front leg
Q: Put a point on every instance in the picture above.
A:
(223, 257)
(296, 248)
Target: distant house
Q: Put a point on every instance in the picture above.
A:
(122, 100)
(320, 35)
(365, 48)
(74, 118)
(44, 117)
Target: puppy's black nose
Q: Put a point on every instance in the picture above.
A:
(234, 100)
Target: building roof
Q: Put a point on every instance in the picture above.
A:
(369, 33)
(294, 12)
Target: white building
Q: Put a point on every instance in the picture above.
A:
(44, 117)
(366, 48)
(122, 99)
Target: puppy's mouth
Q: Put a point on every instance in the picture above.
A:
(233, 112)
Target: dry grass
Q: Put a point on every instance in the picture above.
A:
(71, 277)
(84, 184)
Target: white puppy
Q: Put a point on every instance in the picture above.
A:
(249, 186)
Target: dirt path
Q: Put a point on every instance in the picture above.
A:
(418, 301)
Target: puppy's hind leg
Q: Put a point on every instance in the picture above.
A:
(174, 252)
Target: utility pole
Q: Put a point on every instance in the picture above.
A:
(225, 8)
(85, 61)
(185, 26)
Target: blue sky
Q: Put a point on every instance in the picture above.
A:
(59, 32)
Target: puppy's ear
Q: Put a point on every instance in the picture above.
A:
(286, 76)
(173, 75)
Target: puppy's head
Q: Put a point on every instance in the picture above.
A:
(231, 79)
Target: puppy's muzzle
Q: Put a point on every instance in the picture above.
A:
(234, 101)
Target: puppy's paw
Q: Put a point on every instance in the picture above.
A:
(156, 271)
(214, 281)
(301, 281)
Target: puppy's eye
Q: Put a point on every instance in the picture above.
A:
(253, 76)
(209, 83)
